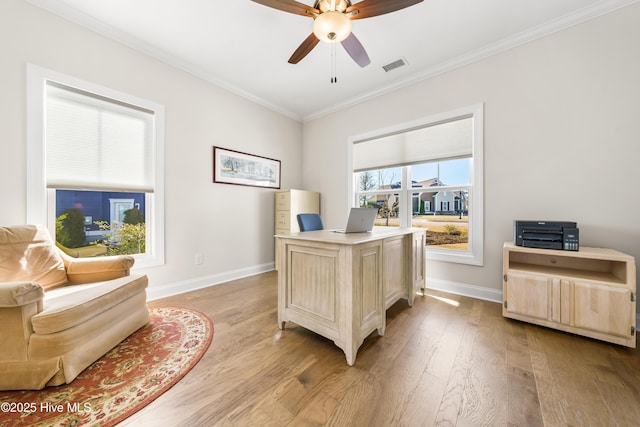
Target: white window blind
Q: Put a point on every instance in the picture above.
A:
(440, 141)
(95, 143)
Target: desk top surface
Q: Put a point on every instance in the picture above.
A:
(328, 236)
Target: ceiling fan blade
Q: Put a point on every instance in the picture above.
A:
(303, 50)
(290, 6)
(369, 8)
(356, 51)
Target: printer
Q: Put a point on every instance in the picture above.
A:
(561, 235)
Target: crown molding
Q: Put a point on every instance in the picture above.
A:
(569, 20)
(92, 24)
(559, 24)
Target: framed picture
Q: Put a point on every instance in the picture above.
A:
(235, 167)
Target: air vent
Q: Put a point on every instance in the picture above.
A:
(395, 64)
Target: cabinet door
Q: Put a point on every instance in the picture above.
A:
(367, 306)
(419, 243)
(529, 295)
(603, 308)
(394, 284)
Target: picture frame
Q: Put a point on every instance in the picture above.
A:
(238, 168)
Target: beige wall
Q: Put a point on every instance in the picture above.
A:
(562, 138)
(562, 141)
(231, 226)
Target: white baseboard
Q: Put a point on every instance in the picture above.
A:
(477, 292)
(167, 290)
(162, 291)
(487, 294)
(456, 288)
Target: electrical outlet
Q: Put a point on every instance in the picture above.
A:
(199, 259)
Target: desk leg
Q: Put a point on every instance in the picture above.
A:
(350, 353)
(383, 327)
(281, 320)
(282, 281)
(417, 269)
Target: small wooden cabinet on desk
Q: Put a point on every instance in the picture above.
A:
(590, 292)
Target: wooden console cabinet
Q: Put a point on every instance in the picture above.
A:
(591, 292)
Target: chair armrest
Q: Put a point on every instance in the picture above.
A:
(89, 270)
(18, 294)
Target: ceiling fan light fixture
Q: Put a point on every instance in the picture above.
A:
(326, 5)
(332, 26)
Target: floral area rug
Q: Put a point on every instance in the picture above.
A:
(123, 381)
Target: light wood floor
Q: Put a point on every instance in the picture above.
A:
(448, 360)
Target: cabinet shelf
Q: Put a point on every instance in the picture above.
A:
(569, 273)
(598, 264)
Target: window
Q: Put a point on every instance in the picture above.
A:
(427, 174)
(95, 167)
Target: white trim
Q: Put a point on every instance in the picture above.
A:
(590, 12)
(69, 13)
(456, 288)
(157, 292)
(475, 254)
(559, 24)
(37, 202)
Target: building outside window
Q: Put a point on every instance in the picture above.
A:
(95, 167)
(427, 174)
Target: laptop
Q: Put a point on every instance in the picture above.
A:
(360, 220)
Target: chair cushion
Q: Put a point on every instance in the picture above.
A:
(27, 254)
(72, 305)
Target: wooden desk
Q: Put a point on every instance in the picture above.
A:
(340, 285)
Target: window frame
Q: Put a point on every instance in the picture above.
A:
(475, 253)
(41, 201)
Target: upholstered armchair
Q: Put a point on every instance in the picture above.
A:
(60, 314)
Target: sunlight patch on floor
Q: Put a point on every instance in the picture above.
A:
(445, 300)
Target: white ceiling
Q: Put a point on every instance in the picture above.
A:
(244, 46)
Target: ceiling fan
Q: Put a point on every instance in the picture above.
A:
(332, 22)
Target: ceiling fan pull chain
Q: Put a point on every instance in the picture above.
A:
(333, 61)
(334, 78)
